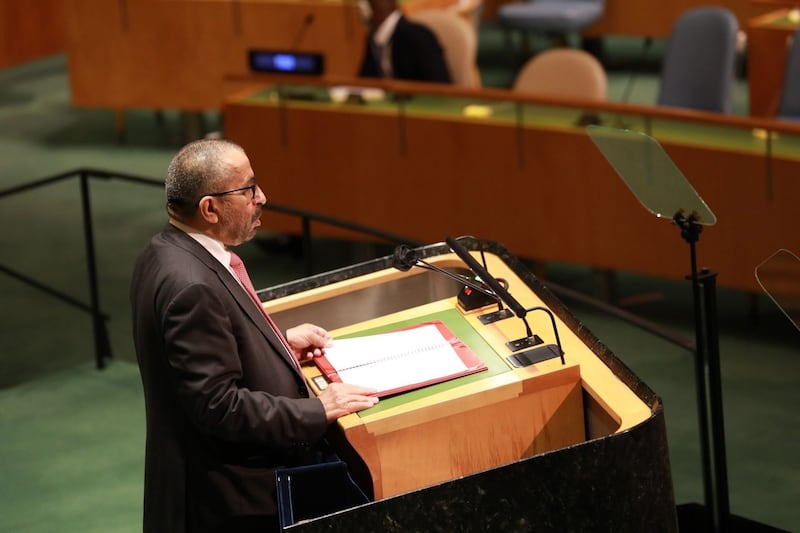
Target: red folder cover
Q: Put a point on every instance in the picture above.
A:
(402, 361)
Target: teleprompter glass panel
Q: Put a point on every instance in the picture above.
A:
(779, 277)
(650, 174)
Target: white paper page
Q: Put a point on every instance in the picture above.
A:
(392, 360)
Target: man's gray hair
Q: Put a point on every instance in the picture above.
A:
(198, 169)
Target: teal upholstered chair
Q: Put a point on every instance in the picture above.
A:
(700, 61)
(551, 17)
(789, 105)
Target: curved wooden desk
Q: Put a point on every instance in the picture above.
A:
(524, 173)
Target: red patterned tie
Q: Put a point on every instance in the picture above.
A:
(238, 268)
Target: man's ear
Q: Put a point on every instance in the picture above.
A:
(209, 209)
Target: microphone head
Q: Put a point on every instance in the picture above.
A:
(404, 258)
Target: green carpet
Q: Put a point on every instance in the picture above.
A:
(72, 452)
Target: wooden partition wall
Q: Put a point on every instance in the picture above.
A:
(30, 30)
(177, 54)
(526, 176)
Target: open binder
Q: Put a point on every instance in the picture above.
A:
(401, 360)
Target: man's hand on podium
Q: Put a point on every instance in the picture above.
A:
(341, 399)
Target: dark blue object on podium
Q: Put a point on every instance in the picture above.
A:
(311, 491)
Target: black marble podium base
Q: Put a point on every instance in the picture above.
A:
(619, 483)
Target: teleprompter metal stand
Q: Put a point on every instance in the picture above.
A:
(662, 189)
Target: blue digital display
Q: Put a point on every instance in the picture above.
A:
(286, 62)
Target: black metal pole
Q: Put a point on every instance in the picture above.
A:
(283, 116)
(102, 345)
(708, 383)
(308, 251)
(708, 279)
(700, 388)
(402, 130)
(520, 135)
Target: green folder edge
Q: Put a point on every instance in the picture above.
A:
(461, 329)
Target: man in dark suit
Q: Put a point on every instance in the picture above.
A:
(225, 400)
(401, 49)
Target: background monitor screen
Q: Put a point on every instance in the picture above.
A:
(286, 62)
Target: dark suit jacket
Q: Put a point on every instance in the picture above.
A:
(416, 55)
(225, 404)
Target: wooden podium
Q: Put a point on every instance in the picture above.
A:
(549, 445)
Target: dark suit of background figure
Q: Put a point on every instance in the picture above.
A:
(214, 436)
(416, 55)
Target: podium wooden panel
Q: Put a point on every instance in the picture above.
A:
(475, 431)
(426, 445)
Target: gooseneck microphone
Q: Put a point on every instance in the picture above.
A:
(405, 257)
(308, 20)
(531, 356)
(487, 278)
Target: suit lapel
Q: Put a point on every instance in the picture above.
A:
(248, 306)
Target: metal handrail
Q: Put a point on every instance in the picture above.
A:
(100, 319)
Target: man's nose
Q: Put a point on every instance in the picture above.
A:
(260, 197)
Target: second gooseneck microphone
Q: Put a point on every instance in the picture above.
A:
(406, 257)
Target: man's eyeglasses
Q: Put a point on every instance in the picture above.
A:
(187, 203)
(251, 188)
